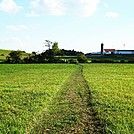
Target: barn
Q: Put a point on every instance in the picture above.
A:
(109, 51)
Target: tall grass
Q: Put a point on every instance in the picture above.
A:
(112, 90)
(25, 91)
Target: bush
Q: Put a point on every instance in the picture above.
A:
(82, 58)
(73, 61)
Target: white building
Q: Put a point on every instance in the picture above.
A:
(124, 51)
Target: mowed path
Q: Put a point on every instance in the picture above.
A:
(71, 111)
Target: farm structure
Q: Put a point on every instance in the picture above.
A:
(124, 51)
(105, 51)
(114, 51)
(109, 51)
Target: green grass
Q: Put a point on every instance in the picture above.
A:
(112, 90)
(26, 90)
(4, 54)
(69, 111)
(36, 98)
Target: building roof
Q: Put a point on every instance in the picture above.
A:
(126, 50)
(109, 50)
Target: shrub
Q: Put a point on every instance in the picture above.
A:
(73, 61)
(82, 58)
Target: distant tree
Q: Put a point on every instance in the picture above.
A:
(48, 55)
(33, 53)
(55, 49)
(48, 43)
(15, 56)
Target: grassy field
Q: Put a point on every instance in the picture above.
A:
(53, 98)
(4, 54)
(112, 91)
(25, 91)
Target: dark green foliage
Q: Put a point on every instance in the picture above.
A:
(55, 49)
(115, 58)
(14, 57)
(81, 58)
(73, 61)
(64, 52)
(54, 55)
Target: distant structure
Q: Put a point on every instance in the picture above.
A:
(102, 48)
(114, 51)
(124, 51)
(108, 51)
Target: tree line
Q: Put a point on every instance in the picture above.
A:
(52, 55)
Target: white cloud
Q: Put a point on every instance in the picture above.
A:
(55, 7)
(89, 6)
(112, 14)
(16, 27)
(13, 43)
(9, 6)
(62, 7)
(32, 14)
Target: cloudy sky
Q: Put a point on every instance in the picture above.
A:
(75, 24)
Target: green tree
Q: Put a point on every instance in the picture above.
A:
(55, 48)
(15, 56)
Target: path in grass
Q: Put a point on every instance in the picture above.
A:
(71, 110)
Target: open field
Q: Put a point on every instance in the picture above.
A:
(65, 98)
(25, 91)
(112, 91)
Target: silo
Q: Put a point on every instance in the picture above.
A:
(102, 48)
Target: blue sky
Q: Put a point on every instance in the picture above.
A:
(81, 25)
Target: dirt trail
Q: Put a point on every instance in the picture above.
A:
(71, 112)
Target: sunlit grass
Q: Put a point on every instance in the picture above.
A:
(112, 90)
(25, 91)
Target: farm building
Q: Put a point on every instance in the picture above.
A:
(124, 51)
(109, 51)
(114, 51)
